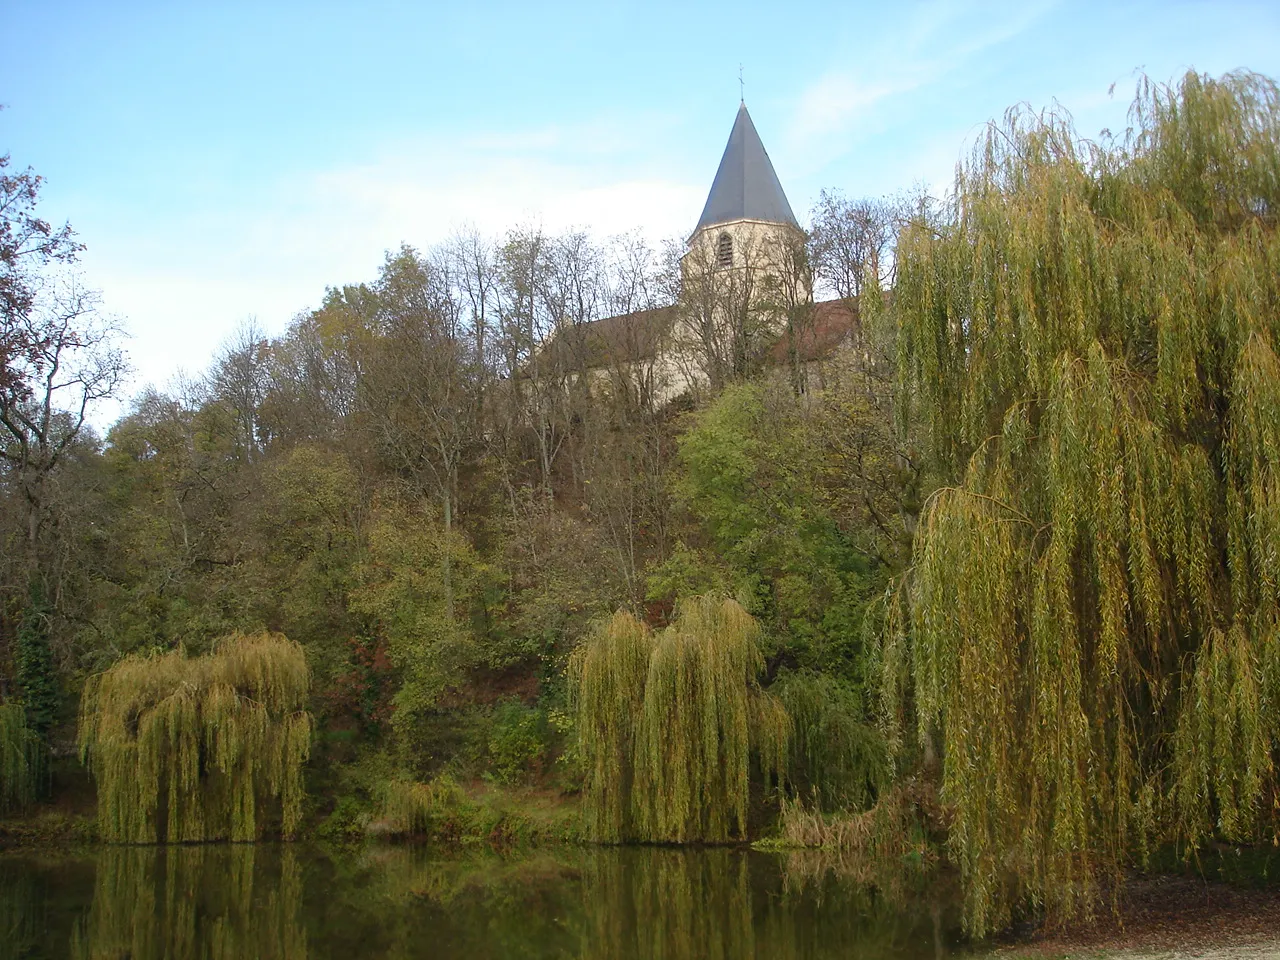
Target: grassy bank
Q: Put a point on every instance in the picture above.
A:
(446, 812)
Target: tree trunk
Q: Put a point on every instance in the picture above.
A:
(447, 564)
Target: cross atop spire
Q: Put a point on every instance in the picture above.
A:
(745, 187)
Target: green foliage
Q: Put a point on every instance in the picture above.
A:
(401, 587)
(22, 759)
(195, 748)
(218, 902)
(306, 524)
(443, 810)
(347, 821)
(608, 673)
(668, 724)
(839, 759)
(517, 741)
(168, 546)
(36, 681)
(409, 807)
(1090, 623)
(754, 475)
(686, 573)
(559, 577)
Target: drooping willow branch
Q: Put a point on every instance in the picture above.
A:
(668, 724)
(1090, 338)
(22, 759)
(199, 748)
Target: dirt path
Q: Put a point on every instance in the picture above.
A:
(1169, 918)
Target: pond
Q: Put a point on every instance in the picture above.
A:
(299, 901)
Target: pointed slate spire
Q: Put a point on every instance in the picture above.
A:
(745, 188)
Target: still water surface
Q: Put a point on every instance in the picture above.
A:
(298, 901)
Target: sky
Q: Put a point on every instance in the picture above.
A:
(227, 161)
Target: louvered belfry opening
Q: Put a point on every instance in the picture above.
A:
(724, 251)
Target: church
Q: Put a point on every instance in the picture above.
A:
(746, 300)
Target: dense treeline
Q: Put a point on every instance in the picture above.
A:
(419, 484)
(1029, 512)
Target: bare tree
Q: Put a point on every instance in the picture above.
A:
(241, 378)
(420, 386)
(537, 376)
(27, 245)
(473, 270)
(852, 249)
(789, 289)
(726, 315)
(852, 242)
(68, 358)
(634, 349)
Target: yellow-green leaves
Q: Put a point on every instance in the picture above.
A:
(21, 758)
(193, 748)
(668, 724)
(1090, 336)
(607, 675)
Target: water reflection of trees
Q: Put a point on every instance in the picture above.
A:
(650, 903)
(293, 902)
(664, 904)
(653, 903)
(214, 902)
(21, 911)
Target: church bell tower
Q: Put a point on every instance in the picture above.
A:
(747, 223)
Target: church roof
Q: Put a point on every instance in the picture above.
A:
(830, 323)
(627, 338)
(745, 188)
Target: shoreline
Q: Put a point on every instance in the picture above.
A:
(1162, 916)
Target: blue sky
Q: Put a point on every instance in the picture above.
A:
(225, 160)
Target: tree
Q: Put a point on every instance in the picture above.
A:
(422, 613)
(851, 243)
(725, 321)
(317, 369)
(37, 684)
(756, 479)
(472, 269)
(199, 748)
(790, 289)
(175, 530)
(67, 358)
(538, 382)
(27, 244)
(58, 355)
(421, 384)
(1092, 622)
(241, 378)
(22, 759)
(668, 724)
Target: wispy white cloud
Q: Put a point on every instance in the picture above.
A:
(834, 102)
(274, 253)
(936, 40)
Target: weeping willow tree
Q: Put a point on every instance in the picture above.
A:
(838, 758)
(22, 766)
(214, 902)
(199, 748)
(608, 673)
(668, 903)
(668, 724)
(1089, 335)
